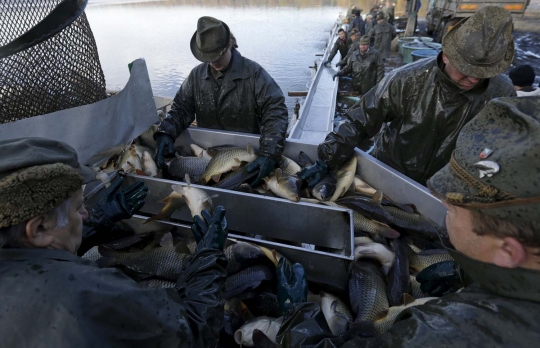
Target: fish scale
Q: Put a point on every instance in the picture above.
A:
(194, 166)
(367, 291)
(227, 159)
(426, 258)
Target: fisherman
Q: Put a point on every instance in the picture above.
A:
(389, 11)
(228, 92)
(383, 33)
(366, 67)
(369, 23)
(350, 13)
(522, 77)
(342, 45)
(358, 23)
(420, 108)
(53, 298)
(353, 47)
(493, 199)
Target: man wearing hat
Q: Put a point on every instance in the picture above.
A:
(228, 92)
(341, 45)
(383, 33)
(417, 111)
(358, 23)
(50, 297)
(366, 67)
(522, 77)
(491, 190)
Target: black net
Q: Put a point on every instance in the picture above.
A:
(60, 73)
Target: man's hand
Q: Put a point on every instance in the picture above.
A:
(116, 205)
(315, 172)
(327, 63)
(334, 77)
(292, 284)
(440, 278)
(165, 147)
(265, 165)
(210, 233)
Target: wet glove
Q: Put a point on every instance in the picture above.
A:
(440, 278)
(165, 147)
(265, 165)
(115, 205)
(292, 284)
(316, 172)
(210, 233)
(334, 77)
(338, 65)
(328, 62)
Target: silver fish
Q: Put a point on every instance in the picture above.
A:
(226, 160)
(194, 166)
(269, 326)
(148, 164)
(367, 291)
(426, 258)
(345, 177)
(288, 166)
(172, 202)
(325, 188)
(375, 251)
(284, 186)
(337, 314)
(196, 199)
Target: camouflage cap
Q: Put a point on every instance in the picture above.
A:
(481, 46)
(496, 164)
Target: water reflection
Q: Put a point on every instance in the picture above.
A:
(282, 36)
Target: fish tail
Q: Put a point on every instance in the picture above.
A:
(388, 231)
(179, 189)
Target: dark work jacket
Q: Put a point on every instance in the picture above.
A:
(417, 113)
(249, 101)
(359, 24)
(341, 46)
(501, 309)
(383, 35)
(352, 48)
(52, 298)
(366, 69)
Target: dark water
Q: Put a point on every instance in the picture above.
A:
(282, 36)
(528, 51)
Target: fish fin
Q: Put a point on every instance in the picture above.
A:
(407, 299)
(164, 200)
(269, 253)
(237, 161)
(260, 340)
(166, 240)
(182, 248)
(377, 197)
(140, 172)
(188, 180)
(250, 150)
(264, 184)
(279, 174)
(216, 177)
(388, 231)
(179, 189)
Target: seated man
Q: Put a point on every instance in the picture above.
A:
(52, 298)
(493, 222)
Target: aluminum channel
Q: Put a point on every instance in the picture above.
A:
(267, 216)
(321, 267)
(316, 117)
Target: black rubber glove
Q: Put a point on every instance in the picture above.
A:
(316, 172)
(115, 205)
(292, 284)
(338, 65)
(165, 147)
(334, 77)
(210, 233)
(265, 165)
(327, 63)
(440, 278)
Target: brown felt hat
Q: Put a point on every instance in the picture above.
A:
(364, 40)
(210, 40)
(37, 175)
(481, 46)
(496, 164)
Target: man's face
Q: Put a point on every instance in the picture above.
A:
(342, 35)
(354, 37)
(222, 62)
(460, 230)
(69, 237)
(463, 81)
(364, 48)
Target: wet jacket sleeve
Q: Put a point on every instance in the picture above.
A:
(347, 69)
(345, 60)
(182, 111)
(380, 67)
(379, 105)
(274, 115)
(334, 50)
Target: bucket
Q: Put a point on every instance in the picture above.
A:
(410, 39)
(408, 48)
(421, 54)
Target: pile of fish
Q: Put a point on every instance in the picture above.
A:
(134, 158)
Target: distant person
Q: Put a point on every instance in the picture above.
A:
(350, 13)
(342, 45)
(522, 77)
(389, 10)
(358, 23)
(368, 23)
(383, 34)
(227, 92)
(366, 67)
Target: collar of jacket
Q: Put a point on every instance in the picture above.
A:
(236, 71)
(368, 52)
(479, 89)
(22, 254)
(518, 283)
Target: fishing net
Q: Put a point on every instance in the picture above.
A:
(59, 73)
